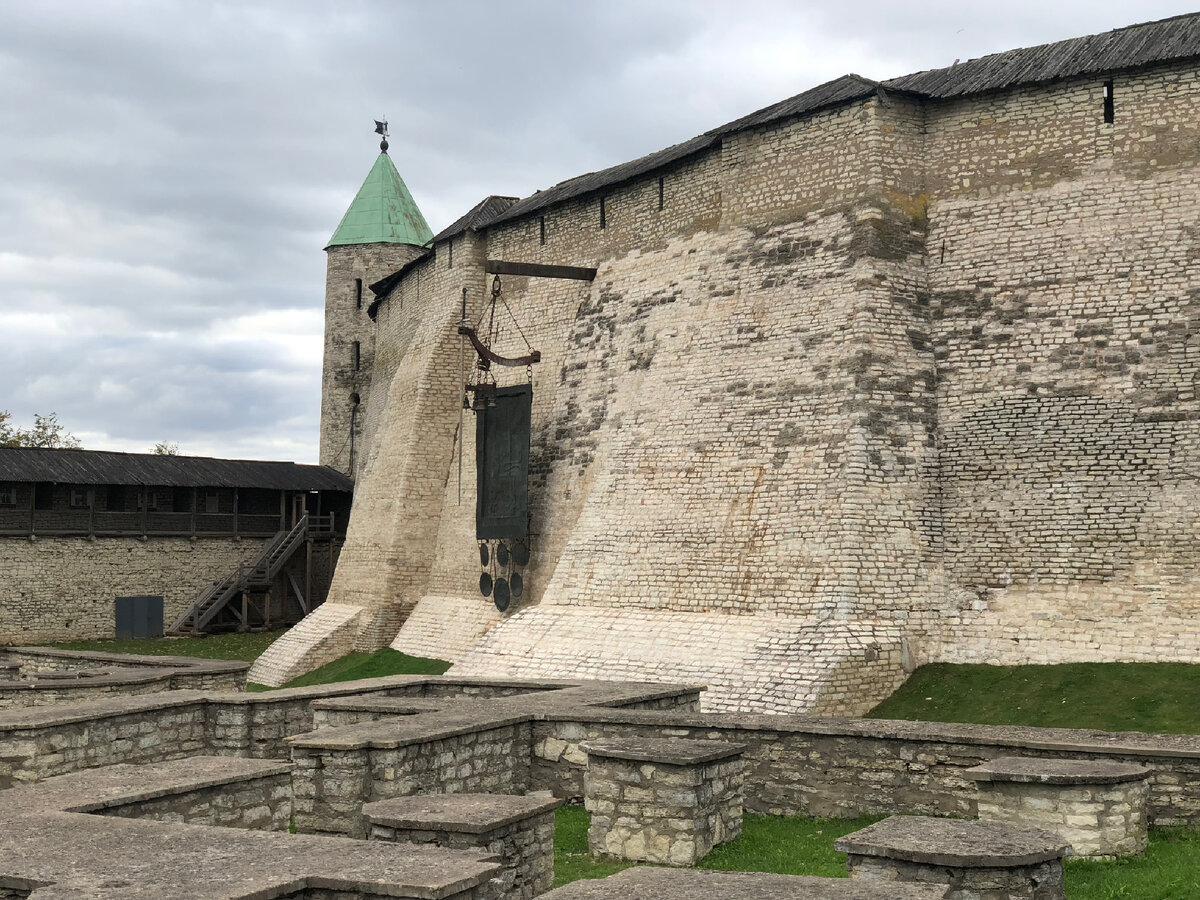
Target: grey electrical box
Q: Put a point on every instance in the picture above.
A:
(139, 617)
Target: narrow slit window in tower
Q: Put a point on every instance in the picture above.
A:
(660, 193)
(542, 228)
(603, 212)
(357, 355)
(450, 253)
(1108, 102)
(358, 293)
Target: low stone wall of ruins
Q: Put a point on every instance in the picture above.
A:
(262, 804)
(314, 756)
(383, 738)
(796, 765)
(39, 676)
(493, 760)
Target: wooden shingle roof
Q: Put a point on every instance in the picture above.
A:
(28, 464)
(1166, 40)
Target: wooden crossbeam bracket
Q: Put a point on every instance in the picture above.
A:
(537, 270)
(485, 352)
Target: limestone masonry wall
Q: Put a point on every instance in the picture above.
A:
(262, 804)
(924, 368)
(63, 588)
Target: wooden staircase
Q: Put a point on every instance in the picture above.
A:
(215, 608)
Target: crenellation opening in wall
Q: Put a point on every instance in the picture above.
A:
(542, 229)
(660, 192)
(603, 212)
(1108, 102)
(358, 293)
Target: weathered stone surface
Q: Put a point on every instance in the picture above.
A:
(659, 800)
(1035, 770)
(39, 676)
(469, 813)
(975, 860)
(1096, 806)
(130, 859)
(671, 751)
(953, 842)
(517, 829)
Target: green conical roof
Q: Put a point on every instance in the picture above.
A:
(383, 212)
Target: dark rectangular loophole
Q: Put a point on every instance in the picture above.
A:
(542, 228)
(660, 193)
(603, 212)
(1108, 102)
(450, 253)
(358, 293)
(357, 355)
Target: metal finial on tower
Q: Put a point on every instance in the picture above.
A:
(381, 128)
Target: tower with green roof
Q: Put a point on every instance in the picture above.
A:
(381, 231)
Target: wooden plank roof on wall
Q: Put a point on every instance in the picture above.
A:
(1163, 41)
(26, 464)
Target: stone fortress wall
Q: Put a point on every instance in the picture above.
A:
(64, 588)
(890, 381)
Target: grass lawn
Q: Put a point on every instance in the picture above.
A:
(246, 647)
(1168, 871)
(767, 844)
(353, 666)
(249, 647)
(1150, 697)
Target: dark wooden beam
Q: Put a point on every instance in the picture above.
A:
(537, 270)
(485, 353)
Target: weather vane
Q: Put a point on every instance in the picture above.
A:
(381, 128)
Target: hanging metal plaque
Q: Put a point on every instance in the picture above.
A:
(502, 554)
(502, 464)
(483, 554)
(517, 584)
(500, 595)
(520, 553)
(485, 584)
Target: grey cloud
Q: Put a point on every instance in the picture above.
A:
(169, 167)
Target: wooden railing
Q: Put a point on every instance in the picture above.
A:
(102, 523)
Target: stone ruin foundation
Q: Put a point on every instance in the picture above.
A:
(190, 793)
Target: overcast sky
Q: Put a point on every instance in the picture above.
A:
(170, 171)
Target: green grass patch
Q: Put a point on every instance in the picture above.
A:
(799, 846)
(787, 846)
(571, 858)
(1149, 697)
(354, 666)
(1170, 870)
(247, 647)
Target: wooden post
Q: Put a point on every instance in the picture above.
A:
(91, 496)
(245, 626)
(308, 582)
(195, 509)
(235, 511)
(145, 505)
(32, 508)
(267, 605)
(283, 510)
